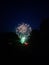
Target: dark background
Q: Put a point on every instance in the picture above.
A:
(30, 12)
(34, 13)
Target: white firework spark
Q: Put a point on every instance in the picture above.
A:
(23, 30)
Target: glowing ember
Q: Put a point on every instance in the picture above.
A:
(26, 44)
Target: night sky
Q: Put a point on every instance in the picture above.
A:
(14, 13)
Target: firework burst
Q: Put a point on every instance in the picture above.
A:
(23, 31)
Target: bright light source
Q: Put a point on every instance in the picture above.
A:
(23, 39)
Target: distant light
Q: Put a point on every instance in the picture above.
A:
(23, 31)
(23, 40)
(26, 44)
